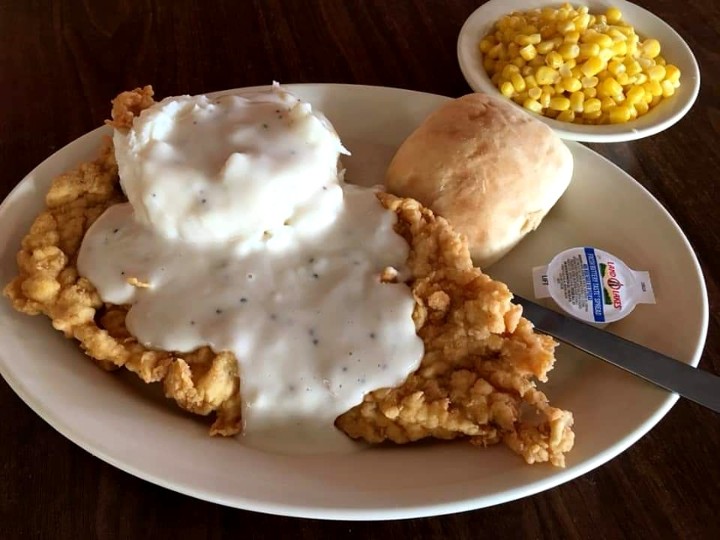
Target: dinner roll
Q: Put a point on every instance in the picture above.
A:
(492, 170)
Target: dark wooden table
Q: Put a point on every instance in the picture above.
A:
(60, 64)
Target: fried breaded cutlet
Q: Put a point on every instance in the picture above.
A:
(475, 381)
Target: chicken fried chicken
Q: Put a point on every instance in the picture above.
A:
(475, 381)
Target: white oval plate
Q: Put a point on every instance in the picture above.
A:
(674, 49)
(131, 426)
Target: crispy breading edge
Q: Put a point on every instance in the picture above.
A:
(201, 382)
(481, 356)
(475, 379)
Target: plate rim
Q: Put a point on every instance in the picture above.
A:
(354, 514)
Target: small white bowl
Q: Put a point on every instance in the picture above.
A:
(674, 50)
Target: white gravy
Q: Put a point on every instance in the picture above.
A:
(292, 290)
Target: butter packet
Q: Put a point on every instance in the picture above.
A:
(592, 285)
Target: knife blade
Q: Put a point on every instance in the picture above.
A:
(694, 384)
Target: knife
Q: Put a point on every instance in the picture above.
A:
(694, 384)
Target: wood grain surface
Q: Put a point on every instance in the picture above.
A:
(60, 64)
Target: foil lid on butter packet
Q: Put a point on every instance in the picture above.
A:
(592, 285)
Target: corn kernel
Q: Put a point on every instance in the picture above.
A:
(577, 99)
(613, 14)
(654, 88)
(532, 105)
(546, 75)
(641, 78)
(489, 64)
(509, 70)
(518, 61)
(589, 50)
(530, 81)
(528, 52)
(507, 89)
(559, 103)
(632, 46)
(485, 45)
(655, 101)
(554, 59)
(635, 95)
(590, 92)
(660, 61)
(494, 52)
(534, 93)
(592, 105)
(648, 96)
(632, 68)
(571, 84)
(656, 73)
(672, 73)
(603, 40)
(592, 115)
(548, 89)
(616, 34)
(571, 37)
(589, 82)
(545, 100)
(619, 48)
(605, 55)
(548, 13)
(566, 116)
(582, 21)
(522, 40)
(588, 35)
(619, 114)
(667, 88)
(592, 66)
(616, 67)
(609, 87)
(607, 103)
(650, 48)
(641, 107)
(545, 47)
(624, 29)
(568, 51)
(518, 82)
(645, 63)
